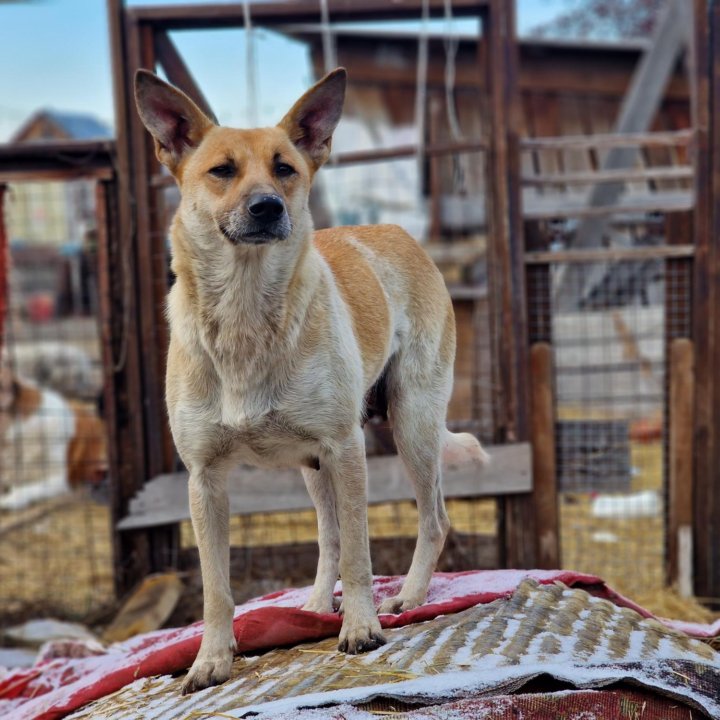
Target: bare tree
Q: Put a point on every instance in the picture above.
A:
(603, 19)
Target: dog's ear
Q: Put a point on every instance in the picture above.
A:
(312, 119)
(176, 123)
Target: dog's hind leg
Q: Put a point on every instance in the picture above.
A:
(320, 486)
(418, 405)
(209, 509)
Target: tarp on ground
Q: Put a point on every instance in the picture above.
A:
(55, 688)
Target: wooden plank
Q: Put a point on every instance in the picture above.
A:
(609, 140)
(151, 264)
(506, 271)
(178, 73)
(56, 160)
(680, 494)
(106, 222)
(628, 175)
(537, 208)
(164, 500)
(4, 266)
(542, 433)
(223, 15)
(706, 303)
(610, 254)
(297, 563)
(130, 550)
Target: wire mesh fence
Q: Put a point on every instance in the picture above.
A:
(55, 540)
(610, 334)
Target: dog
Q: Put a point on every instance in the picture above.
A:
(282, 340)
(48, 444)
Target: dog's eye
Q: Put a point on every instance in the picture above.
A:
(222, 171)
(284, 170)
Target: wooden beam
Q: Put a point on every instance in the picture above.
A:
(130, 550)
(506, 271)
(164, 500)
(225, 15)
(177, 72)
(676, 138)
(152, 264)
(53, 160)
(680, 494)
(610, 254)
(706, 303)
(4, 266)
(650, 174)
(542, 432)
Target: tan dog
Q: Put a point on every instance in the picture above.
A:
(278, 338)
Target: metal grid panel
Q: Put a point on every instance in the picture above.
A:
(610, 334)
(54, 530)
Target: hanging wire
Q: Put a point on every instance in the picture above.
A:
(250, 67)
(451, 42)
(329, 51)
(421, 93)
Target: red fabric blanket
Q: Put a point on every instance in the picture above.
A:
(54, 688)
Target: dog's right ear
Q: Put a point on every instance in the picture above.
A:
(176, 123)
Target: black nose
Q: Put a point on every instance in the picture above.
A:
(265, 208)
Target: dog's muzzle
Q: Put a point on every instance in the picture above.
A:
(265, 220)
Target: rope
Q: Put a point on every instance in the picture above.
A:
(329, 53)
(421, 93)
(250, 67)
(451, 43)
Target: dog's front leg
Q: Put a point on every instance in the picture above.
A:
(360, 630)
(209, 509)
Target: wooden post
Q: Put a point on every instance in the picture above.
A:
(542, 424)
(117, 263)
(706, 302)
(506, 269)
(680, 495)
(4, 267)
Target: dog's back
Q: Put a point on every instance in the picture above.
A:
(394, 291)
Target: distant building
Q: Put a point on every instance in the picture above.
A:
(54, 213)
(51, 224)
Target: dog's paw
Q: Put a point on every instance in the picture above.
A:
(323, 606)
(398, 604)
(360, 637)
(208, 670)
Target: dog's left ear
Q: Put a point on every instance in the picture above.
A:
(312, 119)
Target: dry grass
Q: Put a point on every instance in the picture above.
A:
(58, 562)
(388, 520)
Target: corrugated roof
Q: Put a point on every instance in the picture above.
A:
(549, 629)
(80, 126)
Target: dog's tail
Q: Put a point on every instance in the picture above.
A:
(462, 449)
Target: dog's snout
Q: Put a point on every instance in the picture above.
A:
(265, 208)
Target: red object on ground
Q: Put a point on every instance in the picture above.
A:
(41, 307)
(54, 688)
(620, 703)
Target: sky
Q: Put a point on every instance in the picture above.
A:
(55, 54)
